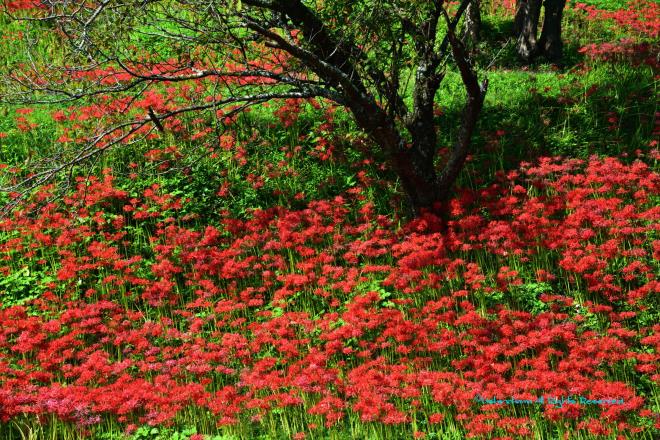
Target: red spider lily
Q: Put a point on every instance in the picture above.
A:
(309, 309)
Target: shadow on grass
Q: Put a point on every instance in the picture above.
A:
(607, 109)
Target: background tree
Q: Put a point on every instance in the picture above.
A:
(472, 23)
(360, 54)
(526, 29)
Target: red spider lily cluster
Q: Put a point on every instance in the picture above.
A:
(18, 5)
(625, 49)
(641, 19)
(641, 16)
(542, 288)
(335, 312)
(74, 122)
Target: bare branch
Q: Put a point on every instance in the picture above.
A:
(95, 146)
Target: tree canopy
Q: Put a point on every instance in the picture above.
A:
(383, 60)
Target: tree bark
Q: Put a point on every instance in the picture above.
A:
(525, 28)
(550, 43)
(412, 163)
(419, 180)
(472, 23)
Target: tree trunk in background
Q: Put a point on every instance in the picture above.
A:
(550, 43)
(472, 23)
(525, 28)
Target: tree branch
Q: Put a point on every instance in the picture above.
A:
(95, 147)
(476, 93)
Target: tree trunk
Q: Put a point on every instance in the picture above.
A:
(472, 23)
(419, 180)
(427, 189)
(413, 164)
(550, 43)
(525, 27)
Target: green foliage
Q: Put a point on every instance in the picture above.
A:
(374, 285)
(155, 433)
(22, 286)
(527, 296)
(612, 5)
